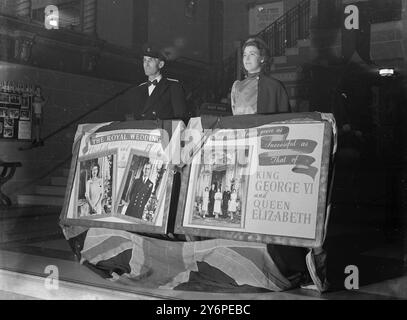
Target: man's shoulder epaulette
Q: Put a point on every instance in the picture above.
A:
(174, 80)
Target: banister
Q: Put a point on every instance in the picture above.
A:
(77, 119)
(283, 33)
(283, 17)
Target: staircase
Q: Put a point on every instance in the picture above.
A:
(35, 216)
(289, 69)
(29, 223)
(51, 193)
(288, 39)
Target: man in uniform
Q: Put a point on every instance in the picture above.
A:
(140, 193)
(158, 98)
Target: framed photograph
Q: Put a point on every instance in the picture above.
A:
(265, 184)
(8, 133)
(15, 99)
(25, 102)
(218, 188)
(24, 130)
(25, 115)
(8, 123)
(95, 191)
(3, 112)
(144, 195)
(14, 113)
(4, 98)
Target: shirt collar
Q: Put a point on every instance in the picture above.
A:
(253, 75)
(158, 78)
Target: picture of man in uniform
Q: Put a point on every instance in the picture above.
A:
(140, 193)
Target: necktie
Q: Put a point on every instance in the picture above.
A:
(152, 83)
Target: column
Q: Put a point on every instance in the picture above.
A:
(239, 62)
(89, 17)
(313, 12)
(23, 8)
(403, 193)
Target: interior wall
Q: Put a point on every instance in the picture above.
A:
(169, 27)
(69, 96)
(115, 21)
(236, 20)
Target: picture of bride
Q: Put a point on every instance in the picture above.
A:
(94, 191)
(95, 186)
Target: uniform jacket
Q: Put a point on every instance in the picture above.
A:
(139, 195)
(272, 96)
(166, 102)
(225, 199)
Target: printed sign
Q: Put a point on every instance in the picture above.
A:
(266, 183)
(24, 130)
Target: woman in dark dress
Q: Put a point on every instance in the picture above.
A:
(259, 93)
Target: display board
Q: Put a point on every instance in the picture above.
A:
(121, 175)
(257, 178)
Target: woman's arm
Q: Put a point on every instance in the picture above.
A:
(233, 97)
(100, 195)
(283, 102)
(87, 197)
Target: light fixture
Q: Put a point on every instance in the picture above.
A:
(190, 8)
(386, 72)
(51, 17)
(53, 23)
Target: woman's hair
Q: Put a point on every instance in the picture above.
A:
(95, 165)
(264, 53)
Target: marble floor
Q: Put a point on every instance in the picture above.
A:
(23, 272)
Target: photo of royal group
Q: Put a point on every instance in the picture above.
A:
(220, 189)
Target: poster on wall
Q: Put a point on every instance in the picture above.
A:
(24, 130)
(121, 176)
(266, 183)
(262, 15)
(15, 112)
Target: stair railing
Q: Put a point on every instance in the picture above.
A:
(77, 119)
(98, 107)
(284, 33)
